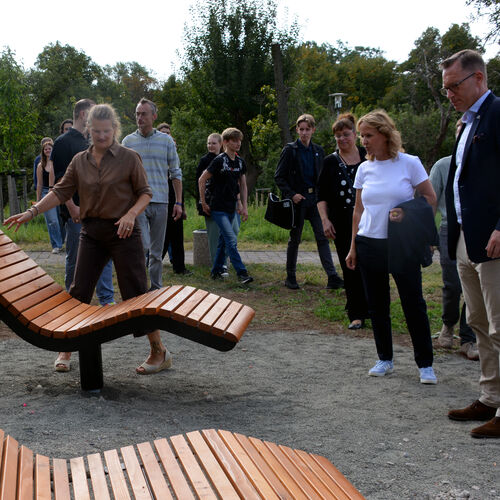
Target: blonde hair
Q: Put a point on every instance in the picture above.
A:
(106, 112)
(215, 136)
(309, 119)
(384, 124)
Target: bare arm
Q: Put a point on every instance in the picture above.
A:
(177, 211)
(202, 182)
(351, 259)
(46, 203)
(328, 228)
(426, 190)
(52, 177)
(39, 181)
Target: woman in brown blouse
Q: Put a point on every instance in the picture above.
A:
(114, 190)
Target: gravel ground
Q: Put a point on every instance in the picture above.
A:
(390, 436)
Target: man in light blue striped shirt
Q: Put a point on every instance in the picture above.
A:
(159, 157)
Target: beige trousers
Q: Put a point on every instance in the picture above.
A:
(481, 288)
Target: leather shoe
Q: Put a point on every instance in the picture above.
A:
(475, 411)
(490, 429)
(469, 350)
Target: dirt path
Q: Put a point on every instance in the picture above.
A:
(309, 390)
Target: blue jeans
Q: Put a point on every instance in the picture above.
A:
(213, 235)
(104, 289)
(153, 225)
(227, 243)
(52, 221)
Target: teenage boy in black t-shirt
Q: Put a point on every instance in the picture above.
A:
(228, 190)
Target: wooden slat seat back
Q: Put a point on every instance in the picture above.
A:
(209, 464)
(40, 310)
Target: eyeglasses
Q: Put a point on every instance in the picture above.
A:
(454, 86)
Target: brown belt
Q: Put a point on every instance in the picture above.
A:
(310, 190)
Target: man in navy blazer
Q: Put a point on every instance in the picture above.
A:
(473, 207)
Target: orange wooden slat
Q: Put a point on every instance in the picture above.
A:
(239, 324)
(49, 328)
(172, 470)
(25, 290)
(60, 479)
(21, 279)
(79, 479)
(54, 313)
(87, 320)
(147, 298)
(193, 471)
(301, 475)
(202, 309)
(178, 299)
(108, 316)
(153, 472)
(265, 469)
(336, 490)
(226, 318)
(183, 311)
(97, 477)
(15, 269)
(252, 472)
(223, 474)
(14, 258)
(46, 306)
(35, 298)
(214, 314)
(25, 474)
(154, 305)
(135, 475)
(8, 469)
(116, 477)
(8, 248)
(338, 477)
(4, 239)
(64, 329)
(42, 478)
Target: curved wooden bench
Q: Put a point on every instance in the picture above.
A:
(40, 311)
(208, 464)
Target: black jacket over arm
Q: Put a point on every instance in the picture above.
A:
(289, 177)
(479, 184)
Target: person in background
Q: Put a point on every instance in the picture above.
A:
(45, 176)
(214, 146)
(228, 188)
(296, 176)
(65, 126)
(114, 190)
(174, 234)
(37, 161)
(160, 160)
(389, 178)
(336, 197)
(451, 281)
(66, 146)
(473, 210)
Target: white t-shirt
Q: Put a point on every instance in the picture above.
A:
(386, 184)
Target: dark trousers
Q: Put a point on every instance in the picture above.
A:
(452, 289)
(356, 305)
(372, 259)
(174, 238)
(98, 243)
(307, 210)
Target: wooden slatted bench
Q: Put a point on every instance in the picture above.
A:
(208, 464)
(44, 314)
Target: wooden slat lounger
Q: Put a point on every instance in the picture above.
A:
(44, 314)
(208, 464)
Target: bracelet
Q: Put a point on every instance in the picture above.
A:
(179, 203)
(30, 210)
(37, 211)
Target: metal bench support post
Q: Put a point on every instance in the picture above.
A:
(91, 376)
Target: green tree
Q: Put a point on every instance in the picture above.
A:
(228, 59)
(491, 10)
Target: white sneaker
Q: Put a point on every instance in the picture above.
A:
(427, 375)
(381, 368)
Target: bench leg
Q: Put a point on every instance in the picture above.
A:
(91, 377)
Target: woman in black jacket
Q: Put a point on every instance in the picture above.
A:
(336, 197)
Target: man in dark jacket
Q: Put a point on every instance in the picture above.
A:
(296, 175)
(473, 208)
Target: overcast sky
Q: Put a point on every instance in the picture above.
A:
(151, 32)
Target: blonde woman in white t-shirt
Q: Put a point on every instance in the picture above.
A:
(388, 178)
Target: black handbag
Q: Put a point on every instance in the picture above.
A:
(280, 212)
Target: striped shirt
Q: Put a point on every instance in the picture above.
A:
(159, 157)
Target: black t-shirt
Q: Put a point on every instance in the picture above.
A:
(65, 147)
(225, 182)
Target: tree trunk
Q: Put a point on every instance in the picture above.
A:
(13, 199)
(1, 199)
(281, 95)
